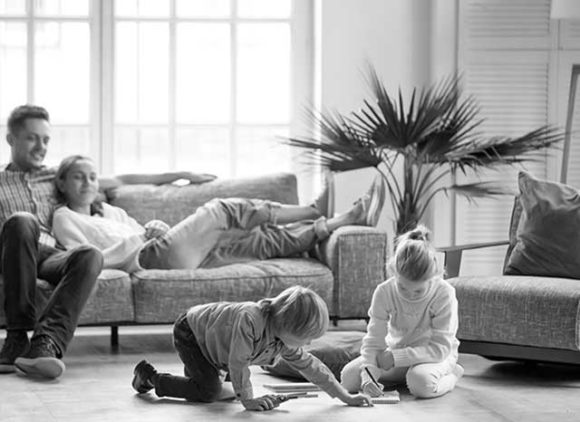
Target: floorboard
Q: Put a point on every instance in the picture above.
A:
(96, 387)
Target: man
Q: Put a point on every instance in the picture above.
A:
(28, 251)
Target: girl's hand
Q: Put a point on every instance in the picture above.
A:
(357, 400)
(155, 228)
(267, 402)
(371, 389)
(386, 360)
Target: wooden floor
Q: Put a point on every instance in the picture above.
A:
(96, 387)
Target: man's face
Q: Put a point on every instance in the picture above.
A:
(29, 144)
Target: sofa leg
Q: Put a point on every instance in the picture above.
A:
(114, 336)
(334, 321)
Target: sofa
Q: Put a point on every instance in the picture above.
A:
(344, 269)
(532, 311)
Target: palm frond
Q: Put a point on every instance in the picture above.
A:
(435, 133)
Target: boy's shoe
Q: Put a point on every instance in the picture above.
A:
(324, 203)
(373, 202)
(42, 360)
(143, 380)
(16, 344)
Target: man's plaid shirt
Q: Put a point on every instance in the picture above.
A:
(32, 192)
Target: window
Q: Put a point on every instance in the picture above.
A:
(510, 54)
(159, 85)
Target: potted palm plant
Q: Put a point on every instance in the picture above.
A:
(420, 148)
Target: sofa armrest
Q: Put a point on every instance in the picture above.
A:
(452, 255)
(357, 257)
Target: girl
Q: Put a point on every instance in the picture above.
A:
(230, 337)
(221, 232)
(412, 329)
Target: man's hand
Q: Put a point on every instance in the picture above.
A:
(267, 402)
(155, 228)
(386, 360)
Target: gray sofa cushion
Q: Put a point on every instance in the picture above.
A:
(521, 310)
(160, 296)
(172, 203)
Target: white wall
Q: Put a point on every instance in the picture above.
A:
(398, 38)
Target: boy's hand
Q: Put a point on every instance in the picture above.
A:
(357, 400)
(155, 228)
(267, 402)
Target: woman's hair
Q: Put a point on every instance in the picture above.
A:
(63, 169)
(298, 311)
(415, 257)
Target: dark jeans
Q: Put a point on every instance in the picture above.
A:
(72, 273)
(202, 382)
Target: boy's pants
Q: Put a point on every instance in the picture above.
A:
(202, 382)
(227, 231)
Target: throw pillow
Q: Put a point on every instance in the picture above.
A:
(335, 349)
(548, 236)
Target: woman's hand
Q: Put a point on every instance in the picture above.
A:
(198, 178)
(386, 360)
(155, 228)
(267, 402)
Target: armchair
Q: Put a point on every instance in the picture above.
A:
(529, 312)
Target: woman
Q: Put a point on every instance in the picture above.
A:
(221, 232)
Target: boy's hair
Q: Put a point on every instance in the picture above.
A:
(19, 115)
(415, 257)
(299, 311)
(61, 173)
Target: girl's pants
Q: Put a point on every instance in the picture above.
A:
(226, 231)
(425, 380)
(202, 381)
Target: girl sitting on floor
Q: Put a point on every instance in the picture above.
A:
(411, 335)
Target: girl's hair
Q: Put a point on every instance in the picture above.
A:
(298, 311)
(63, 169)
(415, 257)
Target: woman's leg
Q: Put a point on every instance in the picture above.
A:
(187, 243)
(276, 241)
(430, 380)
(293, 213)
(203, 383)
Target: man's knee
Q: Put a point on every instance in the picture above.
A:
(22, 224)
(421, 383)
(87, 258)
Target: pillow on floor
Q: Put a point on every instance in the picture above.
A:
(548, 236)
(335, 349)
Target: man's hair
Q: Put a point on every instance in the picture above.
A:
(20, 114)
(299, 311)
(415, 257)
